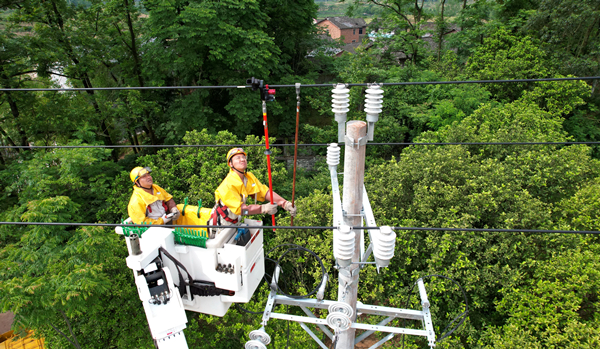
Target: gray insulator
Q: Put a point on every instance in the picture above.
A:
(135, 245)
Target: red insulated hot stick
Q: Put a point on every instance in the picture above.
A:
(268, 152)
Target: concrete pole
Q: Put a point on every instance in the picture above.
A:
(354, 177)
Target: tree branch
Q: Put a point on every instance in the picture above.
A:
(64, 335)
(395, 10)
(70, 330)
(121, 36)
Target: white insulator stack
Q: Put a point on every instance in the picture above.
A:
(373, 104)
(384, 243)
(340, 104)
(261, 336)
(255, 344)
(340, 316)
(343, 245)
(333, 156)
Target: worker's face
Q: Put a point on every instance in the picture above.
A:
(239, 161)
(146, 180)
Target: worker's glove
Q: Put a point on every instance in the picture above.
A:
(176, 213)
(167, 218)
(290, 208)
(268, 208)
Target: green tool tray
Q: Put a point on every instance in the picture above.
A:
(127, 231)
(190, 237)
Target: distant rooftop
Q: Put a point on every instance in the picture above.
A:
(345, 22)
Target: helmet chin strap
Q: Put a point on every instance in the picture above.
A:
(139, 185)
(233, 167)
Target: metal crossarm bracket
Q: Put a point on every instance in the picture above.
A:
(355, 144)
(370, 220)
(392, 313)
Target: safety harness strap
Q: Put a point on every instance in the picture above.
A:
(221, 210)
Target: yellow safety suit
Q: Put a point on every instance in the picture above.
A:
(141, 199)
(233, 192)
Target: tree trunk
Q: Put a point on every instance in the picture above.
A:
(586, 38)
(5, 135)
(83, 76)
(16, 115)
(442, 29)
(132, 140)
(137, 70)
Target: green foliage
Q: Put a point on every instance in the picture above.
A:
(47, 271)
(558, 97)
(505, 56)
(556, 307)
(517, 187)
(570, 33)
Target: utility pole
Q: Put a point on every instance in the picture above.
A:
(354, 177)
(348, 247)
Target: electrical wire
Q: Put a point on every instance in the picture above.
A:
(489, 230)
(304, 249)
(279, 145)
(126, 88)
(293, 247)
(461, 316)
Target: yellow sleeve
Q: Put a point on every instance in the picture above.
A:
(137, 212)
(260, 189)
(229, 198)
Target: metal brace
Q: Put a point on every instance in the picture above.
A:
(346, 214)
(347, 275)
(352, 143)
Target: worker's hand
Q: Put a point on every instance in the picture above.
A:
(290, 208)
(268, 208)
(167, 218)
(176, 213)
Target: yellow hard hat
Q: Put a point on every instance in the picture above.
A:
(137, 172)
(235, 151)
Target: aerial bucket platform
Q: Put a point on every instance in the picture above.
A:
(178, 269)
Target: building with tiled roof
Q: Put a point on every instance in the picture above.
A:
(351, 29)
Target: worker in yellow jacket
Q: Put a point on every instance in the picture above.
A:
(150, 203)
(239, 186)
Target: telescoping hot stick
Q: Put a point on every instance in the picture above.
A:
(266, 95)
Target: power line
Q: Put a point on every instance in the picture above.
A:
(285, 86)
(489, 230)
(281, 145)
